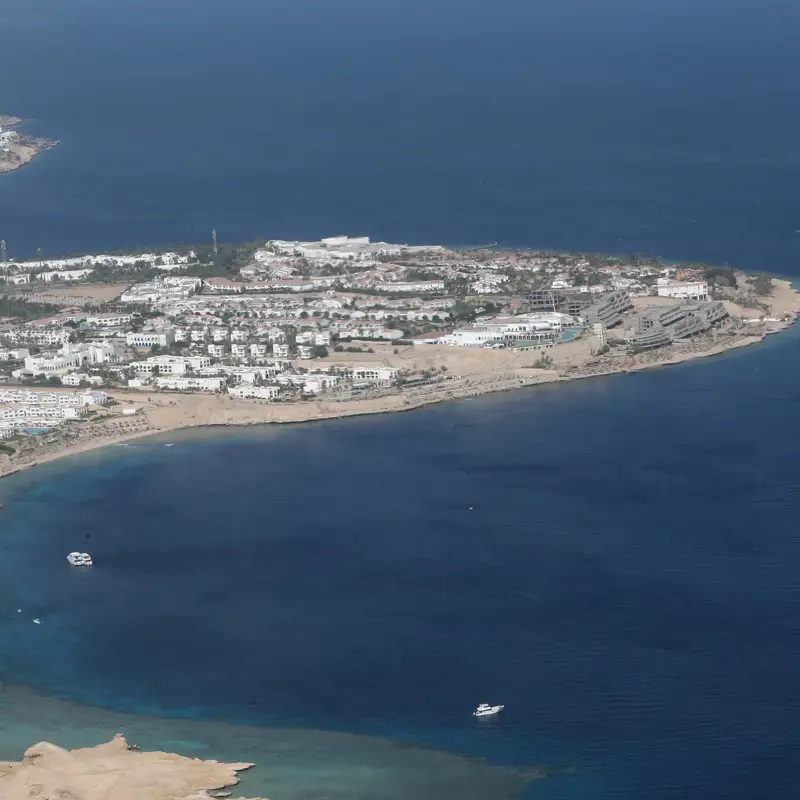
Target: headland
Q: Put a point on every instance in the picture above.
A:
(18, 149)
(102, 349)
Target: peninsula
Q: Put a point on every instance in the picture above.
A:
(113, 771)
(17, 149)
(99, 349)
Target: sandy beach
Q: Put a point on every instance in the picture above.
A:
(457, 373)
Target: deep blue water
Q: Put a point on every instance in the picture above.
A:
(668, 128)
(626, 582)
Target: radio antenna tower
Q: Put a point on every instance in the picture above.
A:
(3, 250)
(214, 239)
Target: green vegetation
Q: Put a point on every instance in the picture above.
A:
(762, 284)
(22, 309)
(227, 261)
(721, 276)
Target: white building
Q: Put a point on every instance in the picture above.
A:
(171, 365)
(14, 354)
(51, 336)
(337, 248)
(600, 333)
(24, 397)
(109, 320)
(239, 350)
(77, 378)
(695, 290)
(305, 352)
(384, 376)
(186, 383)
(69, 357)
(165, 261)
(261, 392)
(28, 413)
(258, 351)
(64, 275)
(524, 327)
(216, 350)
(161, 289)
(280, 350)
(146, 339)
(488, 284)
(417, 287)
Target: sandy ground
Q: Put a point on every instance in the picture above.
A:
(70, 295)
(112, 771)
(21, 153)
(467, 372)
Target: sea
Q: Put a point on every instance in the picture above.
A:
(615, 560)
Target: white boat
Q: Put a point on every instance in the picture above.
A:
(485, 710)
(80, 559)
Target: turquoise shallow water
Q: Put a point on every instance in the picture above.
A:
(292, 764)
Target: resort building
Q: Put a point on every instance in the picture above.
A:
(109, 320)
(383, 376)
(658, 326)
(609, 309)
(77, 378)
(146, 339)
(64, 275)
(171, 365)
(695, 290)
(51, 336)
(25, 397)
(69, 357)
(259, 392)
(537, 326)
(189, 383)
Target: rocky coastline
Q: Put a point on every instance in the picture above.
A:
(18, 149)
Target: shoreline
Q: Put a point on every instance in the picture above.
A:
(163, 412)
(24, 149)
(290, 762)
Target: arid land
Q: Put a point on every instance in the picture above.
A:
(113, 771)
(460, 372)
(21, 149)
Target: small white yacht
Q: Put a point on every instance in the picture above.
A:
(80, 559)
(485, 710)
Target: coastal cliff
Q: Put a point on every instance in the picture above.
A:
(113, 771)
